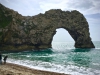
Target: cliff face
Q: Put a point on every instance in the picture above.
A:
(29, 32)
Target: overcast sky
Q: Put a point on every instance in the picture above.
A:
(89, 8)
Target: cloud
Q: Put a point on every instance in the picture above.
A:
(24, 7)
(84, 6)
(33, 7)
(80, 4)
(90, 7)
(47, 5)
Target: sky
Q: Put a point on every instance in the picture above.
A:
(89, 8)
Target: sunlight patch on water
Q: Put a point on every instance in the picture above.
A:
(63, 45)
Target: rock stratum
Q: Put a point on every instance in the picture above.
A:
(19, 32)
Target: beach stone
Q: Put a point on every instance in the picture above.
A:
(36, 32)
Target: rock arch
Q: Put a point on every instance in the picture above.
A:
(29, 32)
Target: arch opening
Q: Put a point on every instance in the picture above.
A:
(62, 40)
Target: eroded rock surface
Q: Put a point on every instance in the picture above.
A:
(30, 32)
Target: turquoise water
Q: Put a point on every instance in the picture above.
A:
(62, 58)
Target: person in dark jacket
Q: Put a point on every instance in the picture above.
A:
(0, 58)
(5, 58)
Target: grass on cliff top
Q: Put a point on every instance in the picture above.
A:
(4, 21)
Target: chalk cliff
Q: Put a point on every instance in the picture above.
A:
(30, 32)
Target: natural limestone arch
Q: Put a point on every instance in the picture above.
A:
(75, 23)
(29, 32)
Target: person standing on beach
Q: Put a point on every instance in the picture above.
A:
(0, 58)
(5, 58)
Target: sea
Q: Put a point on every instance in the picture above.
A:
(63, 57)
